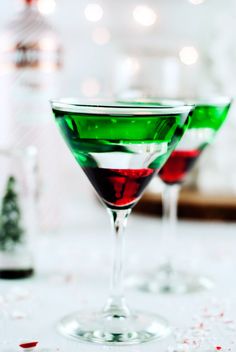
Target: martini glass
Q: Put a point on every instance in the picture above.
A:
(120, 149)
(206, 120)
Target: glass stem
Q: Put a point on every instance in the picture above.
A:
(170, 196)
(116, 306)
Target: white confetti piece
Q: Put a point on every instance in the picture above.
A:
(18, 294)
(18, 315)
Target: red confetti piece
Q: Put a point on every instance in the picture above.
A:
(29, 344)
(218, 348)
(186, 341)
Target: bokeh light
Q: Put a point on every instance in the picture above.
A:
(46, 7)
(90, 87)
(188, 55)
(47, 43)
(93, 12)
(197, 2)
(144, 15)
(101, 35)
(132, 64)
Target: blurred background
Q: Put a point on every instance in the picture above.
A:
(51, 48)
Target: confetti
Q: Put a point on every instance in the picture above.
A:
(61, 278)
(212, 330)
(18, 315)
(28, 346)
(18, 294)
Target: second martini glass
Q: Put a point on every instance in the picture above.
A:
(120, 148)
(207, 118)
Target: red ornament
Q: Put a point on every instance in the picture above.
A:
(218, 348)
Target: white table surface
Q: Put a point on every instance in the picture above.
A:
(73, 270)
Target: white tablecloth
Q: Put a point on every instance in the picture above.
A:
(73, 270)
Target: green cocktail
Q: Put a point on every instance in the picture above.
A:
(120, 154)
(206, 120)
(120, 148)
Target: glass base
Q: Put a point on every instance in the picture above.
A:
(106, 329)
(171, 281)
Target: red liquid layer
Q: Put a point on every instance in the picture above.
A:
(119, 187)
(178, 165)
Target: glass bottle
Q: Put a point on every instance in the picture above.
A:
(30, 62)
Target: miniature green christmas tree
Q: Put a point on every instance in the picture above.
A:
(11, 232)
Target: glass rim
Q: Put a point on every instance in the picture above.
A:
(195, 101)
(107, 107)
(155, 100)
(214, 100)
